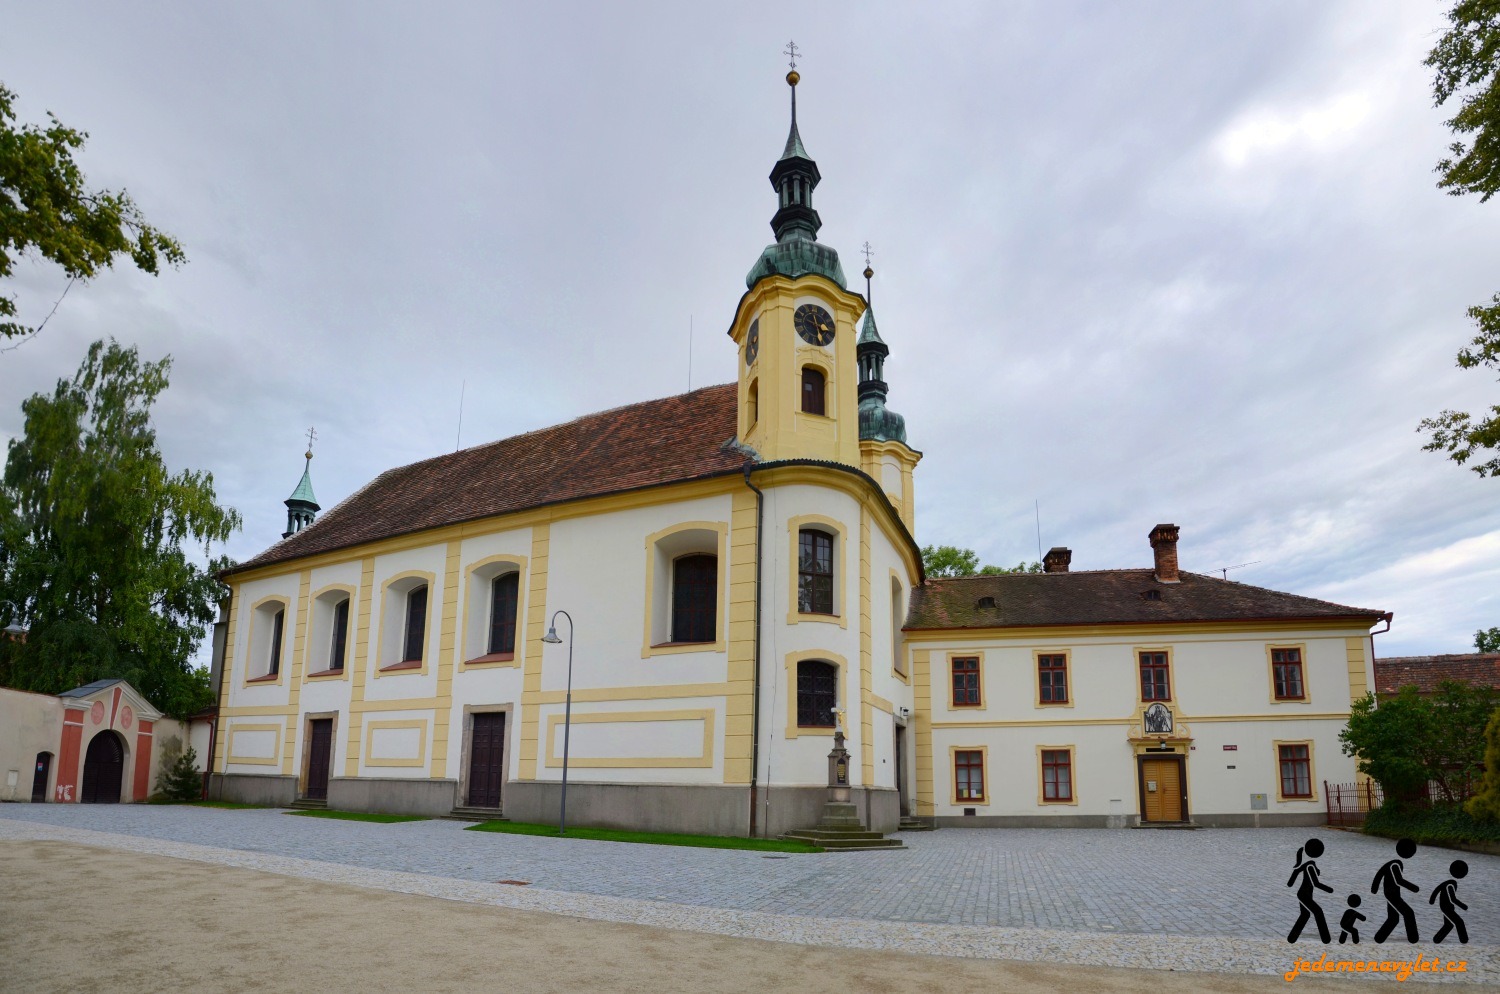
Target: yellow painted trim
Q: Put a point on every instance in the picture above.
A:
(720, 530)
(250, 647)
(1165, 630)
(984, 772)
(541, 516)
(363, 655)
(374, 762)
(299, 657)
(793, 730)
(951, 705)
(1312, 769)
(1135, 720)
(226, 682)
(471, 652)
(794, 527)
(878, 703)
(1041, 783)
(659, 692)
(1301, 648)
(1354, 654)
(275, 760)
(866, 652)
(1036, 676)
(898, 640)
(322, 673)
(1135, 656)
(739, 693)
(921, 720)
(447, 650)
(703, 760)
(430, 579)
(531, 671)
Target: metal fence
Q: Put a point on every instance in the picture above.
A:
(1348, 803)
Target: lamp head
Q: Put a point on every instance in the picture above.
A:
(551, 636)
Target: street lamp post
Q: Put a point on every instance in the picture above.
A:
(552, 638)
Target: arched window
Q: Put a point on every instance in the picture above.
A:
(813, 389)
(278, 625)
(695, 595)
(752, 403)
(339, 644)
(416, 624)
(814, 572)
(817, 693)
(504, 592)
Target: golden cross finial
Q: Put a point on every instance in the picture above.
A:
(312, 433)
(868, 253)
(791, 53)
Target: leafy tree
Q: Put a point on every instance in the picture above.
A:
(1407, 741)
(1487, 640)
(92, 536)
(46, 208)
(180, 779)
(1466, 64)
(1485, 804)
(949, 560)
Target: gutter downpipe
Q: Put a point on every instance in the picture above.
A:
(227, 604)
(1387, 618)
(760, 499)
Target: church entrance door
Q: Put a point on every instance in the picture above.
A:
(103, 770)
(1163, 791)
(487, 759)
(319, 758)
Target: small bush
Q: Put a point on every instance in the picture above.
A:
(180, 780)
(1433, 826)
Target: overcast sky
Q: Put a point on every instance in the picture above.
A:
(1135, 263)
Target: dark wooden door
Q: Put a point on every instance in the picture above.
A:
(103, 770)
(487, 759)
(39, 782)
(319, 758)
(901, 769)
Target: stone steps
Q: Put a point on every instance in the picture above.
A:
(462, 813)
(910, 824)
(843, 840)
(308, 804)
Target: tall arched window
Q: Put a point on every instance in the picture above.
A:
(278, 625)
(416, 624)
(752, 403)
(339, 645)
(695, 595)
(817, 693)
(814, 386)
(504, 592)
(814, 572)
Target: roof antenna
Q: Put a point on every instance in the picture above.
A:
(1039, 530)
(459, 437)
(1224, 570)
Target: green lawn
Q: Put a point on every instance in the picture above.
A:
(360, 816)
(649, 838)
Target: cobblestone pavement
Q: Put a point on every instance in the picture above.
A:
(1210, 882)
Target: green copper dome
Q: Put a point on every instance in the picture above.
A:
(796, 257)
(304, 491)
(879, 423)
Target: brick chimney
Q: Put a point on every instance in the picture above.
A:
(1057, 559)
(1164, 544)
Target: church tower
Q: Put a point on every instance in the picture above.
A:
(883, 449)
(302, 507)
(796, 328)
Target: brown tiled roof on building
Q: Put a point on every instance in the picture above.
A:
(1107, 597)
(1425, 672)
(672, 440)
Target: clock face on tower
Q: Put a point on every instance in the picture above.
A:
(814, 324)
(752, 343)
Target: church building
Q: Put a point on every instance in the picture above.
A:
(740, 564)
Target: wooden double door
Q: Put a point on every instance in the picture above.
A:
(486, 759)
(103, 770)
(1163, 789)
(319, 758)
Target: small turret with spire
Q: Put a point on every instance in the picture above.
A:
(876, 421)
(302, 507)
(797, 251)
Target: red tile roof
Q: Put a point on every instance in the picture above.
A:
(672, 440)
(1102, 597)
(1425, 672)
